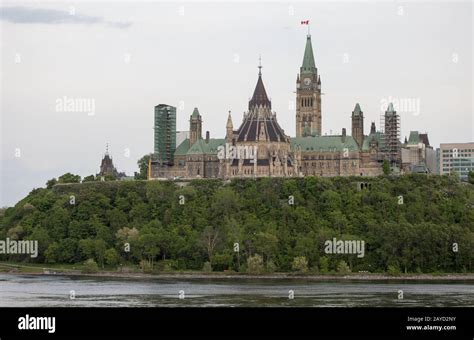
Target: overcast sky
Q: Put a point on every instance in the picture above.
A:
(126, 57)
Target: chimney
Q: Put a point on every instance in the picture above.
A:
(207, 137)
(343, 135)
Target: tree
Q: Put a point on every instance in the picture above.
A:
(52, 182)
(69, 178)
(266, 244)
(324, 265)
(90, 178)
(386, 167)
(53, 253)
(111, 257)
(470, 177)
(148, 243)
(210, 240)
(143, 166)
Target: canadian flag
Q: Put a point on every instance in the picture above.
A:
(305, 22)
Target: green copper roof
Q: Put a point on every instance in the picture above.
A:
(366, 144)
(357, 111)
(324, 143)
(201, 147)
(414, 138)
(308, 59)
(183, 148)
(195, 112)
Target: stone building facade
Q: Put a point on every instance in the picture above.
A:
(259, 147)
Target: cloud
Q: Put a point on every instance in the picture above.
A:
(23, 15)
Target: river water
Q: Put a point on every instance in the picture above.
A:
(55, 291)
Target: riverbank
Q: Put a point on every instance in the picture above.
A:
(14, 269)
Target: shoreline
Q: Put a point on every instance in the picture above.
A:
(242, 276)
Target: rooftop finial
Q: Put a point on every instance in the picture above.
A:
(106, 148)
(260, 65)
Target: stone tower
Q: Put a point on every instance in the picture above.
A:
(229, 130)
(195, 127)
(308, 95)
(358, 125)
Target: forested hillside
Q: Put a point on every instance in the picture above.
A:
(409, 224)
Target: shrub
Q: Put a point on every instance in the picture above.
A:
(167, 265)
(111, 257)
(255, 264)
(300, 264)
(271, 266)
(90, 266)
(221, 262)
(207, 267)
(393, 270)
(324, 265)
(343, 268)
(146, 266)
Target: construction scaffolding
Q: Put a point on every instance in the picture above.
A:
(390, 139)
(165, 134)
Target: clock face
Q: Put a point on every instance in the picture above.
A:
(307, 81)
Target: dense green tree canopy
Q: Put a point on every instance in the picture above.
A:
(410, 223)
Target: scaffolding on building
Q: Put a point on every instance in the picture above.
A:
(390, 138)
(165, 134)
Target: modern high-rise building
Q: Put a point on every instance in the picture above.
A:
(165, 133)
(456, 157)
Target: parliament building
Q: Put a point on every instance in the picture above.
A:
(259, 146)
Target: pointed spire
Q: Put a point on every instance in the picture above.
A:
(357, 111)
(259, 97)
(195, 113)
(229, 121)
(372, 128)
(390, 108)
(308, 65)
(260, 65)
(107, 148)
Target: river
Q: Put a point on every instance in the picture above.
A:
(55, 291)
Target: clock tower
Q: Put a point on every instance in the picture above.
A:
(308, 96)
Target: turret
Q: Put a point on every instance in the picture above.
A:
(230, 130)
(195, 127)
(358, 125)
